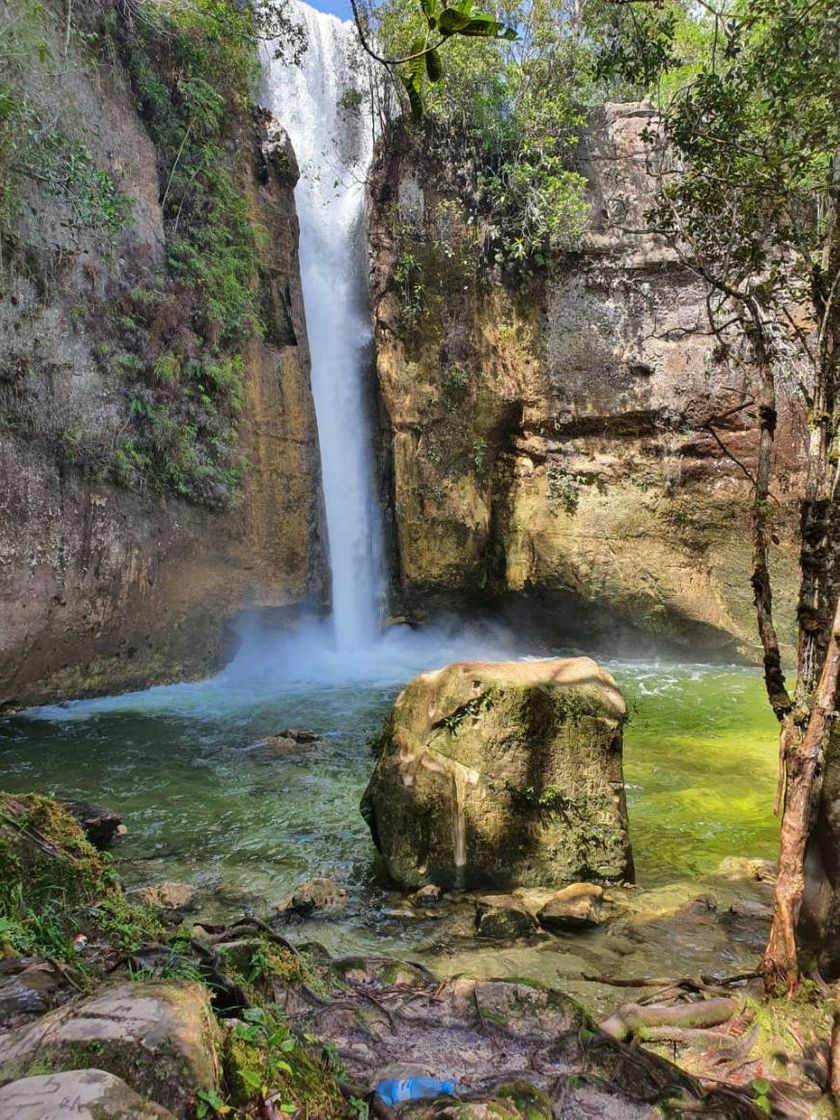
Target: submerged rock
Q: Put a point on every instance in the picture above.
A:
(503, 773)
(291, 738)
(84, 1094)
(503, 916)
(167, 896)
(315, 896)
(740, 867)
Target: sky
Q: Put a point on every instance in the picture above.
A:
(337, 7)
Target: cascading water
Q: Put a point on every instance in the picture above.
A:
(324, 103)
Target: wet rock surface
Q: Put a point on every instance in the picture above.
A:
(101, 826)
(503, 916)
(315, 896)
(499, 774)
(290, 739)
(27, 987)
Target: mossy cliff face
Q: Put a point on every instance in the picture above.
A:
(500, 774)
(554, 432)
(158, 449)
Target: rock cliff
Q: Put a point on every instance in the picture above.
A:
(569, 434)
(154, 479)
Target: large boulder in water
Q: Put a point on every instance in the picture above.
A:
(503, 773)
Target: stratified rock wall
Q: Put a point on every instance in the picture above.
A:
(569, 435)
(105, 588)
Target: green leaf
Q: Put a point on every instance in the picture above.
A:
(434, 66)
(485, 27)
(415, 98)
(761, 1086)
(251, 1079)
(417, 66)
(452, 21)
(430, 9)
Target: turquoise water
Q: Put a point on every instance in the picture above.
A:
(205, 800)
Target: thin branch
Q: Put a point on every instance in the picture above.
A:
(357, 19)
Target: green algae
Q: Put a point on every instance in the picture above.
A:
(203, 802)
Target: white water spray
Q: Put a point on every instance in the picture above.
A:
(325, 106)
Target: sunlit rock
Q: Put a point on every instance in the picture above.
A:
(315, 896)
(83, 1094)
(160, 1037)
(502, 774)
(167, 896)
(579, 906)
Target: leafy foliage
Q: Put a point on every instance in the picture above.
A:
(40, 144)
(757, 134)
(505, 119)
(190, 67)
(424, 61)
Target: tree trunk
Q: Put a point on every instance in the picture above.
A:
(774, 678)
(802, 748)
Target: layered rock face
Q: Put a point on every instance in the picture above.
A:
(104, 587)
(501, 774)
(569, 433)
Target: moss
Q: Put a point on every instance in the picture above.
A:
(530, 1102)
(53, 883)
(263, 1055)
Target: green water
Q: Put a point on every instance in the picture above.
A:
(206, 802)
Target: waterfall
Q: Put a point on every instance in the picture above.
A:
(325, 106)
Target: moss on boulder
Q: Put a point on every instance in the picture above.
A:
(160, 1038)
(54, 883)
(503, 773)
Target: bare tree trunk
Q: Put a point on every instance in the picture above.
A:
(834, 1056)
(774, 678)
(803, 753)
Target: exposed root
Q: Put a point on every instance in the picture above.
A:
(637, 1019)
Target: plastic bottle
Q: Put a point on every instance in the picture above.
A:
(395, 1091)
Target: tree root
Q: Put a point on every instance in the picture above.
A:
(636, 1018)
(685, 1035)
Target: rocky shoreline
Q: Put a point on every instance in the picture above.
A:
(141, 1003)
(153, 1017)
